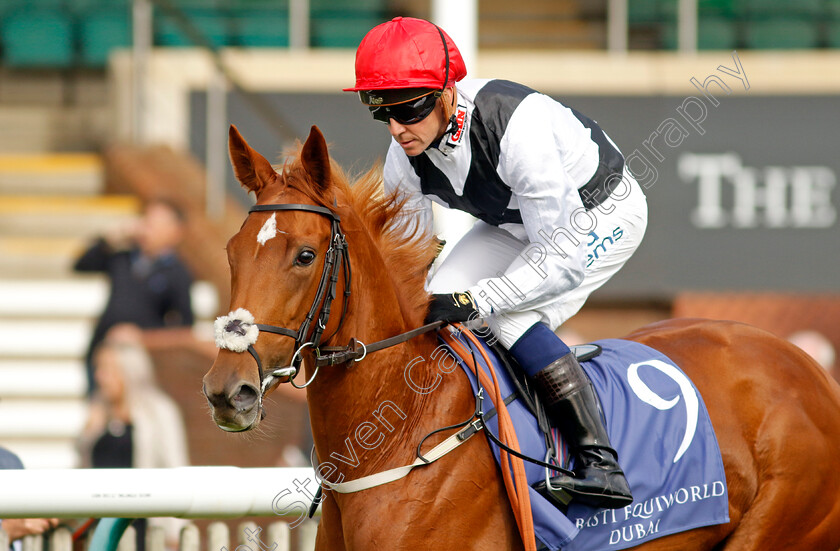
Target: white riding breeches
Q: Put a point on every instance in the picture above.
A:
(486, 251)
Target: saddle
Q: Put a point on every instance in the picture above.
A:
(558, 456)
(661, 431)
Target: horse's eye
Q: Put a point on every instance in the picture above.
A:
(305, 258)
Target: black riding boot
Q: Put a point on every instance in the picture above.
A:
(573, 406)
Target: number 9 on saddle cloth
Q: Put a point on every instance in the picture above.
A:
(660, 428)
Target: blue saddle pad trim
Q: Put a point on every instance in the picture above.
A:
(659, 425)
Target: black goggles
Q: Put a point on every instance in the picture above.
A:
(409, 112)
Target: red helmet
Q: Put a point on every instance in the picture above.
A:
(407, 53)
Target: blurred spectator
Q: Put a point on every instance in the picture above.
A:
(150, 286)
(132, 422)
(816, 345)
(17, 528)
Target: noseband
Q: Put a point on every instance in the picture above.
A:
(307, 335)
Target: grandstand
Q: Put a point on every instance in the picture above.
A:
(66, 100)
(68, 34)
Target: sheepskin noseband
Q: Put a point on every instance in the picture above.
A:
(236, 331)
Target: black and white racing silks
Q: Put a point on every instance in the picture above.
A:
(523, 162)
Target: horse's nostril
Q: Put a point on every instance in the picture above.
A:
(216, 399)
(245, 397)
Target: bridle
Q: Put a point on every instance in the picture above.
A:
(311, 336)
(319, 312)
(307, 335)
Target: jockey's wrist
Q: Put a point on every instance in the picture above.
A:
(479, 296)
(451, 308)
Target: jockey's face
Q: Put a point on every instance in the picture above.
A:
(416, 138)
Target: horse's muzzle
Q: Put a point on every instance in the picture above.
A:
(237, 409)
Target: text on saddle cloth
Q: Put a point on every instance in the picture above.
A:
(659, 425)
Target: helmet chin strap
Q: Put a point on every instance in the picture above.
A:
(452, 124)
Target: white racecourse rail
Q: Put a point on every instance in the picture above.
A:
(184, 492)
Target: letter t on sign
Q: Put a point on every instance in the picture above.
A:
(709, 172)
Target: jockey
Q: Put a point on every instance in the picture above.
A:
(558, 215)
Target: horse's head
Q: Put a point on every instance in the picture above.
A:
(283, 263)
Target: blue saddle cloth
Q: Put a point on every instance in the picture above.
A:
(660, 428)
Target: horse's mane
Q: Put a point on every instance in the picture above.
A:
(406, 250)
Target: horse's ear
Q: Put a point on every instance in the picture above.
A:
(252, 170)
(316, 159)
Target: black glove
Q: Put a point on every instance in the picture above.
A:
(452, 307)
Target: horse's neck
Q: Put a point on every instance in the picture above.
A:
(370, 416)
(374, 413)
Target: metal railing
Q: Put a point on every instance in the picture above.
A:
(119, 495)
(279, 536)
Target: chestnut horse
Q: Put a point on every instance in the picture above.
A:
(775, 412)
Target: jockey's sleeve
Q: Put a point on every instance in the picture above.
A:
(417, 213)
(532, 163)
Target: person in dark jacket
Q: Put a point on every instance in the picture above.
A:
(150, 285)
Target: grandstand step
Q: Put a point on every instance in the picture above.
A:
(541, 24)
(39, 257)
(82, 297)
(34, 129)
(83, 96)
(47, 453)
(533, 9)
(44, 418)
(47, 338)
(76, 216)
(547, 33)
(36, 378)
(50, 174)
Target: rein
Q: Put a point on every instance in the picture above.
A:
(512, 466)
(342, 354)
(336, 256)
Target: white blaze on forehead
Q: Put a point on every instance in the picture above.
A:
(269, 230)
